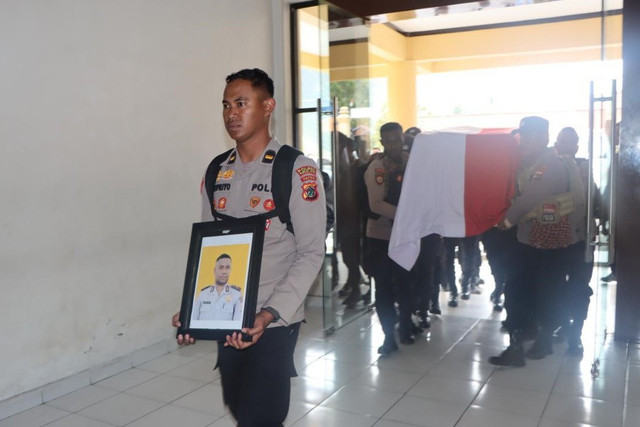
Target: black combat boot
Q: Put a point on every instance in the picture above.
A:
(513, 355)
(541, 347)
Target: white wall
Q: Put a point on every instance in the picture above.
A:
(109, 113)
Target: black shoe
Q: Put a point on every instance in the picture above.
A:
(423, 322)
(416, 330)
(453, 301)
(512, 356)
(407, 340)
(353, 299)
(465, 295)
(344, 291)
(539, 350)
(366, 298)
(435, 309)
(497, 307)
(476, 290)
(575, 349)
(387, 348)
(609, 278)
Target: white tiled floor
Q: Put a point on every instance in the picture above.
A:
(442, 380)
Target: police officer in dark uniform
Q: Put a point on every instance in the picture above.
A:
(256, 374)
(548, 211)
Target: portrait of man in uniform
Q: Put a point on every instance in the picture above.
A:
(220, 300)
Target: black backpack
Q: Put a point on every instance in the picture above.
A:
(280, 185)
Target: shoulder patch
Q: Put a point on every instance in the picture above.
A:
(306, 170)
(232, 158)
(205, 288)
(236, 287)
(538, 172)
(379, 175)
(310, 191)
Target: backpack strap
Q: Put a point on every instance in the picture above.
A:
(281, 176)
(210, 179)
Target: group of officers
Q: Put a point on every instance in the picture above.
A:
(536, 252)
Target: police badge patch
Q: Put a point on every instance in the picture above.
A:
(379, 176)
(310, 191)
(254, 201)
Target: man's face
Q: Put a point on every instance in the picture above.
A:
(532, 144)
(245, 110)
(567, 143)
(392, 142)
(222, 271)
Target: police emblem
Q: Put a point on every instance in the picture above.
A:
(269, 205)
(310, 191)
(222, 203)
(253, 201)
(379, 176)
(228, 174)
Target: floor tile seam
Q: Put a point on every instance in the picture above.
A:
(128, 388)
(217, 417)
(115, 392)
(404, 394)
(127, 393)
(68, 413)
(625, 396)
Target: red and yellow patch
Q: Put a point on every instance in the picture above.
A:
(254, 201)
(222, 203)
(537, 174)
(308, 178)
(306, 170)
(269, 205)
(310, 191)
(379, 176)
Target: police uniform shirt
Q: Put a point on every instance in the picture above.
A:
(549, 176)
(224, 306)
(290, 262)
(378, 179)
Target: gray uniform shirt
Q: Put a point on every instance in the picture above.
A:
(224, 306)
(290, 262)
(376, 179)
(550, 175)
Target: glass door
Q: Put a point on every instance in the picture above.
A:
(604, 119)
(326, 41)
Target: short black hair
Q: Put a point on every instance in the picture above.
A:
(258, 78)
(223, 256)
(390, 126)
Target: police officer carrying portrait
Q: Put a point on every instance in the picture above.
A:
(383, 179)
(220, 301)
(548, 211)
(256, 375)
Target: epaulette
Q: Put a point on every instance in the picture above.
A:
(205, 288)
(269, 156)
(237, 288)
(232, 158)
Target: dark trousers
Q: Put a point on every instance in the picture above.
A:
(389, 275)
(576, 293)
(534, 290)
(256, 381)
(498, 245)
(469, 255)
(426, 271)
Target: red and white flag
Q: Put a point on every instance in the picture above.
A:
(458, 183)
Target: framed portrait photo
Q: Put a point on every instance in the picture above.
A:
(221, 283)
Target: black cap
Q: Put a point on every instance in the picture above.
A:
(413, 131)
(532, 124)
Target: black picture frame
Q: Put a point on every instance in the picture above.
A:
(207, 302)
